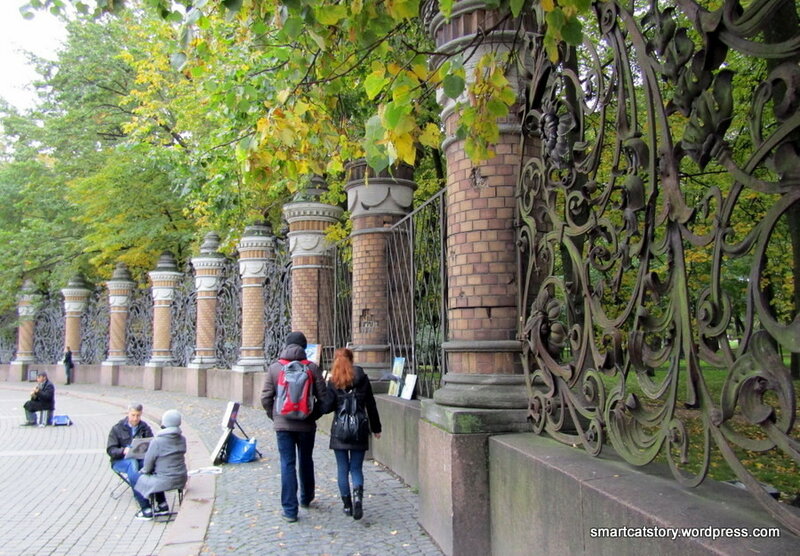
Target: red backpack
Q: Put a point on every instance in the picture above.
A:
(295, 394)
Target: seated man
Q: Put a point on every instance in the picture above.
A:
(164, 465)
(118, 446)
(43, 398)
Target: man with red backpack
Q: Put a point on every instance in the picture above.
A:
(295, 396)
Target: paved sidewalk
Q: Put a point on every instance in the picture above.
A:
(246, 508)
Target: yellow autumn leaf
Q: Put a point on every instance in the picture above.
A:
(431, 136)
(421, 71)
(283, 95)
(404, 146)
(548, 5)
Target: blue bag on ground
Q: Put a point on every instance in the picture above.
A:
(241, 450)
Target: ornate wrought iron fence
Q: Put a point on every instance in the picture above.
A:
(228, 320)
(8, 337)
(184, 319)
(49, 329)
(341, 316)
(417, 293)
(277, 300)
(94, 328)
(139, 327)
(658, 203)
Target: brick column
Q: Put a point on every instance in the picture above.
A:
(208, 270)
(120, 288)
(484, 390)
(76, 298)
(312, 268)
(375, 204)
(164, 281)
(26, 309)
(255, 248)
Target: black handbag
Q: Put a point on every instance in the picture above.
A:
(350, 425)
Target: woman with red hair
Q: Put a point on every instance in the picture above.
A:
(350, 387)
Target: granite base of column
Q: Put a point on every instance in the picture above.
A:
(454, 472)
(18, 370)
(243, 381)
(109, 373)
(196, 379)
(152, 377)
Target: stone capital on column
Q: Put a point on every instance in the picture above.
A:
(387, 193)
(307, 224)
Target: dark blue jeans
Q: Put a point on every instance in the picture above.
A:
(349, 463)
(130, 468)
(296, 450)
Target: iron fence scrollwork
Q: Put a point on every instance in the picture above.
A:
(656, 205)
(94, 328)
(8, 337)
(184, 319)
(228, 317)
(139, 327)
(277, 300)
(49, 330)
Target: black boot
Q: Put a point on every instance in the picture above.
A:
(358, 497)
(348, 505)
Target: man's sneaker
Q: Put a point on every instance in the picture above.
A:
(288, 519)
(162, 508)
(144, 515)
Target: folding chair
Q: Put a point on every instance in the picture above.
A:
(166, 517)
(121, 486)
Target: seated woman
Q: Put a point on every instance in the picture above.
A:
(164, 466)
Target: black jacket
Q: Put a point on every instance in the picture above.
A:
(366, 399)
(44, 398)
(120, 438)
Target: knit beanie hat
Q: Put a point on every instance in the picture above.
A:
(297, 338)
(171, 418)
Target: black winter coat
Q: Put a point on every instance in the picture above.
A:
(120, 438)
(366, 399)
(43, 399)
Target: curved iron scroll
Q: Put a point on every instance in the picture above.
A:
(660, 211)
(139, 327)
(94, 329)
(228, 325)
(184, 319)
(8, 337)
(49, 330)
(277, 300)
